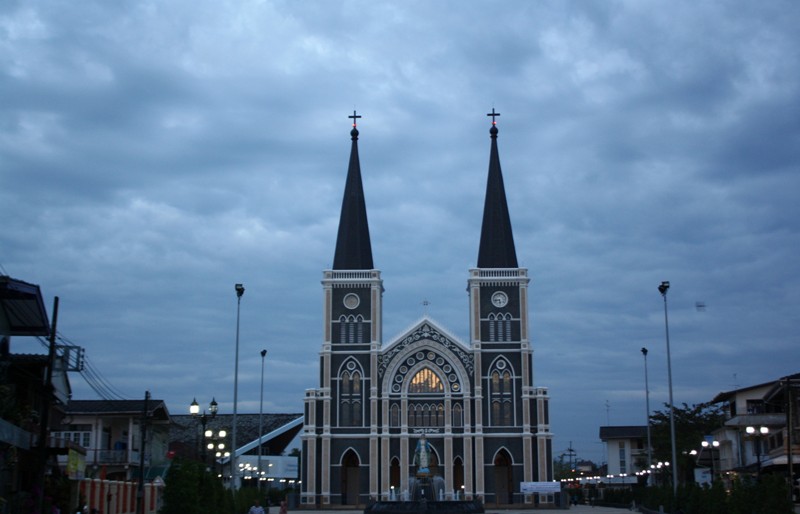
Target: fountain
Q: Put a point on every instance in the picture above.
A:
(425, 492)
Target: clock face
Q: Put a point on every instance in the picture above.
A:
(499, 299)
(351, 301)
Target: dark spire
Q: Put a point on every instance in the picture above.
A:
(497, 241)
(353, 248)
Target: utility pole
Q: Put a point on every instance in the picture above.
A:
(47, 400)
(142, 446)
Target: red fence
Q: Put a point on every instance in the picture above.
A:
(115, 497)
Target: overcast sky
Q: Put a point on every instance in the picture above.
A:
(155, 153)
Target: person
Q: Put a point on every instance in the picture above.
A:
(283, 509)
(256, 508)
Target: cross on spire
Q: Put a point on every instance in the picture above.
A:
(354, 117)
(493, 115)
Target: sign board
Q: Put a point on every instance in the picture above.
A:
(702, 476)
(540, 487)
(76, 465)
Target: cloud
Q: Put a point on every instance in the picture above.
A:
(152, 155)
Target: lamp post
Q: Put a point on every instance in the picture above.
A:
(663, 288)
(711, 444)
(647, 418)
(194, 410)
(239, 292)
(261, 417)
(216, 443)
(756, 434)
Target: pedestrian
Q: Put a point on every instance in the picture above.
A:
(256, 508)
(283, 509)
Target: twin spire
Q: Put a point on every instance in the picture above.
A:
(353, 247)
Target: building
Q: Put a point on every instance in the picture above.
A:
(626, 449)
(110, 431)
(772, 410)
(34, 387)
(486, 423)
(191, 435)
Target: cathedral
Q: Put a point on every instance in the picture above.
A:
(473, 403)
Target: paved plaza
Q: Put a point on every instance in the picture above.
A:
(574, 509)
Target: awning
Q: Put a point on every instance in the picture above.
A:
(22, 308)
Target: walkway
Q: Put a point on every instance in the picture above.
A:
(574, 509)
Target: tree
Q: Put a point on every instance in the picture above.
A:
(692, 424)
(189, 487)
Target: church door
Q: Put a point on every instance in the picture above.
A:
(503, 485)
(350, 475)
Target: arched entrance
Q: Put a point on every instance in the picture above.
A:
(350, 475)
(503, 478)
(394, 477)
(458, 477)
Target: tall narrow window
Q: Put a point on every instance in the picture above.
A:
(458, 416)
(501, 395)
(350, 403)
(394, 416)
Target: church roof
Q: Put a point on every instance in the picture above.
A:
(497, 240)
(353, 248)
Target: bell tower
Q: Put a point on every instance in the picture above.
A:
(345, 406)
(505, 399)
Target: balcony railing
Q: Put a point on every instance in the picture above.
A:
(113, 457)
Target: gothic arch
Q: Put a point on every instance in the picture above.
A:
(501, 388)
(350, 476)
(400, 361)
(351, 393)
(502, 468)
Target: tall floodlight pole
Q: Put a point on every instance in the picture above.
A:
(261, 418)
(647, 418)
(234, 464)
(663, 288)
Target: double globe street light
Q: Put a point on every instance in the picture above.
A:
(212, 441)
(757, 434)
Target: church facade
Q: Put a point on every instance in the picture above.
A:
(486, 424)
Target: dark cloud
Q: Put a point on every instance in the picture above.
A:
(152, 155)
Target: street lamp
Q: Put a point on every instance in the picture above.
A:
(647, 418)
(261, 417)
(663, 288)
(239, 292)
(216, 443)
(711, 444)
(756, 434)
(194, 410)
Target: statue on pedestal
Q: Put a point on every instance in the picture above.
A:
(422, 456)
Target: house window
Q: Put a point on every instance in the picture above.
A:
(623, 465)
(78, 434)
(755, 406)
(394, 416)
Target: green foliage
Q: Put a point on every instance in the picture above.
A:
(191, 489)
(692, 424)
(770, 496)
